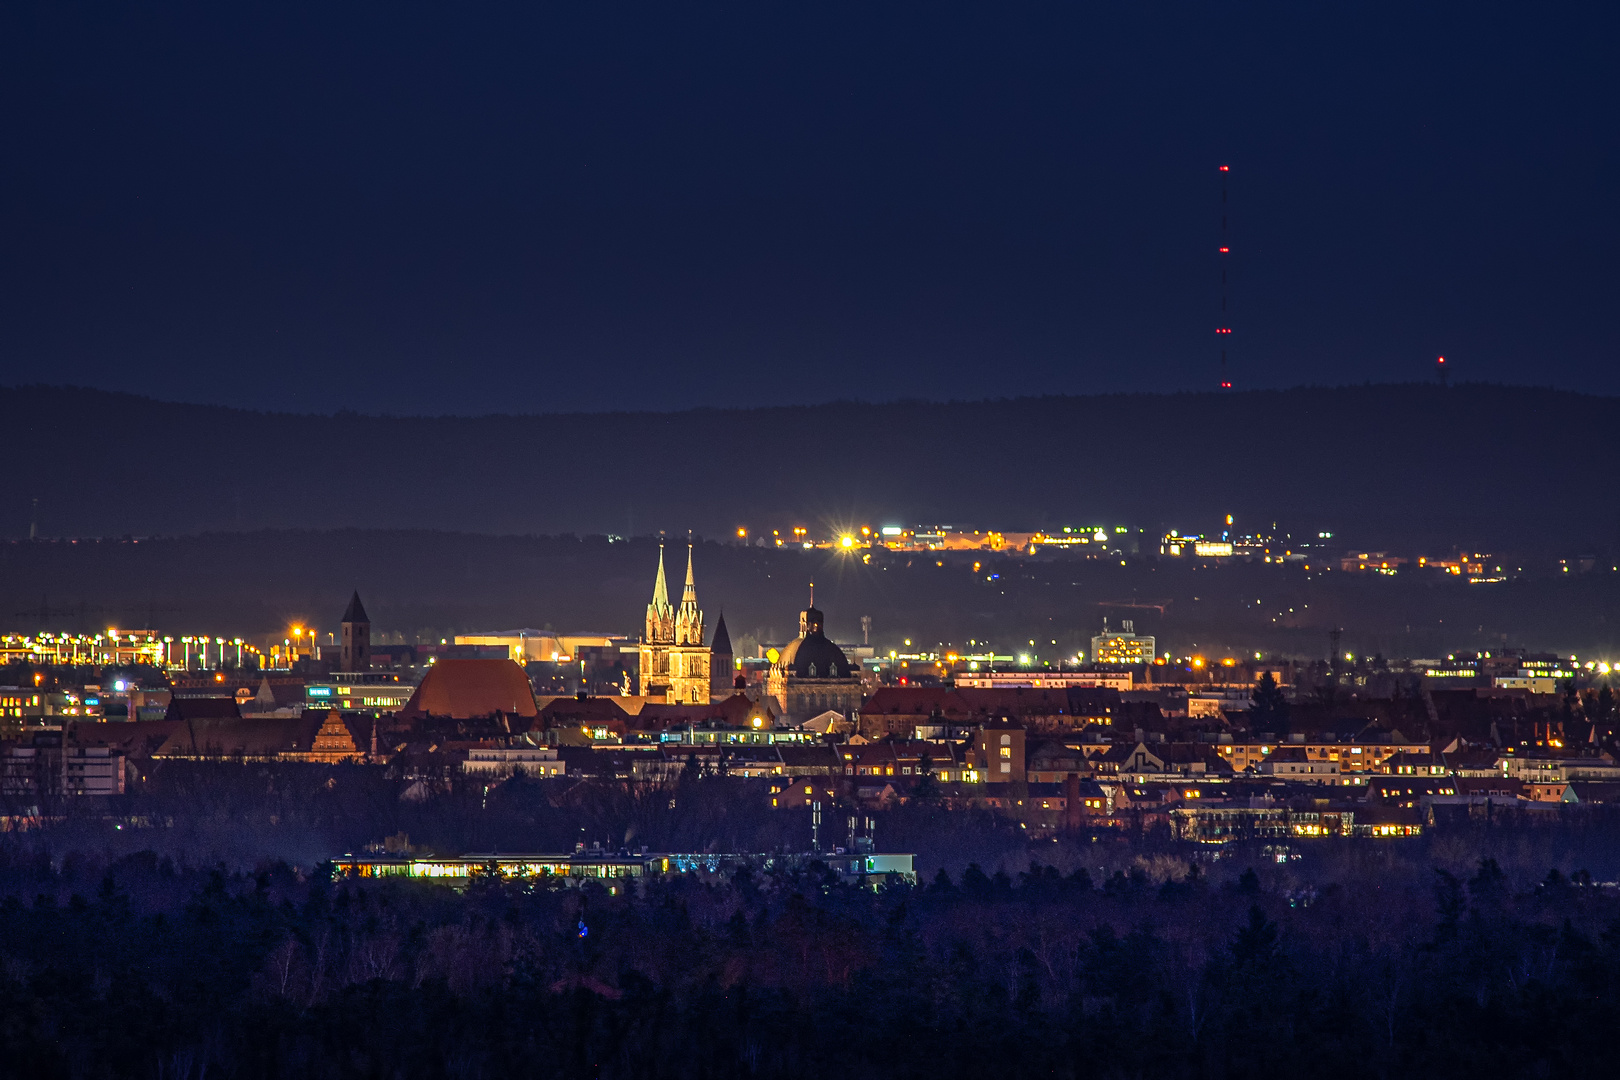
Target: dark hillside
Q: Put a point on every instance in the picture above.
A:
(1405, 466)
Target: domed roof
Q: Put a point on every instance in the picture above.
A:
(811, 655)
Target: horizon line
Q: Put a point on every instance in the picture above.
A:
(834, 402)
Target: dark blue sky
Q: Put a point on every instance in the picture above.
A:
(455, 208)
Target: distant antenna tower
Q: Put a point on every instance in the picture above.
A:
(1440, 366)
(1223, 328)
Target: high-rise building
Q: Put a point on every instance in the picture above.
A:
(675, 661)
(356, 643)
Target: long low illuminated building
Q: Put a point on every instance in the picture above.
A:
(1030, 678)
(867, 869)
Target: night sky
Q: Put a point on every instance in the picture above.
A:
(414, 208)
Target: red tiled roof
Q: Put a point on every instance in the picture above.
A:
(133, 738)
(471, 689)
(916, 701)
(1016, 700)
(235, 737)
(734, 710)
(968, 702)
(573, 712)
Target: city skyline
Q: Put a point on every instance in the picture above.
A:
(1150, 603)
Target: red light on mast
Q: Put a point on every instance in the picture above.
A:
(1223, 331)
(1442, 360)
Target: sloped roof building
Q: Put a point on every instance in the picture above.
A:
(471, 690)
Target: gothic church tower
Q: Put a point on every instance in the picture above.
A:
(356, 649)
(674, 660)
(660, 616)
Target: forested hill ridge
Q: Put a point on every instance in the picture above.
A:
(1394, 465)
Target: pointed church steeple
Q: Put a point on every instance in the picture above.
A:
(356, 611)
(355, 654)
(689, 620)
(674, 658)
(660, 598)
(722, 674)
(660, 616)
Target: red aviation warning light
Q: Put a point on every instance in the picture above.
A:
(1225, 250)
(1440, 366)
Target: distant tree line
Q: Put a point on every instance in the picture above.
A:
(1372, 965)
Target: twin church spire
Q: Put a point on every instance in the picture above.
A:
(670, 625)
(675, 663)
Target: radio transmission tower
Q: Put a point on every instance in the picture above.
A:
(1223, 328)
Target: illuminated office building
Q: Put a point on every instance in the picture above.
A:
(1122, 647)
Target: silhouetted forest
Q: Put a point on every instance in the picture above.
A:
(1487, 467)
(1361, 959)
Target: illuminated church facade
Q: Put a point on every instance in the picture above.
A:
(675, 663)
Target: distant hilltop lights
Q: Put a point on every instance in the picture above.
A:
(1090, 540)
(1317, 551)
(935, 538)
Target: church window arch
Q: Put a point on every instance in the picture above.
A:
(812, 671)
